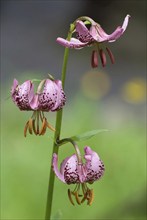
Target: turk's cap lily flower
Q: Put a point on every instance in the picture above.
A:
(87, 36)
(49, 97)
(95, 35)
(72, 172)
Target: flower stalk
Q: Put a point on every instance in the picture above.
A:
(57, 132)
(66, 140)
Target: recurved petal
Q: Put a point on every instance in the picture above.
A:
(48, 97)
(63, 165)
(100, 35)
(125, 23)
(83, 33)
(115, 35)
(34, 102)
(94, 166)
(14, 86)
(55, 168)
(119, 30)
(69, 169)
(20, 95)
(61, 98)
(73, 43)
(25, 87)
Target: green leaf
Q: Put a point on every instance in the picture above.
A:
(87, 135)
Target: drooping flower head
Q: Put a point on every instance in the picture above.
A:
(73, 172)
(49, 97)
(94, 35)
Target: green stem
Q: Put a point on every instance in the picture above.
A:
(57, 134)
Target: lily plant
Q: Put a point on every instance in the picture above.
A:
(50, 97)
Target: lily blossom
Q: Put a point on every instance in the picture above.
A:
(95, 35)
(73, 172)
(49, 97)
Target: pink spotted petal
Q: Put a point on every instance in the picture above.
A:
(55, 168)
(94, 166)
(73, 43)
(61, 98)
(63, 165)
(20, 94)
(69, 168)
(14, 86)
(34, 101)
(48, 97)
(83, 33)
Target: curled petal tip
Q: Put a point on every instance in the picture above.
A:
(126, 21)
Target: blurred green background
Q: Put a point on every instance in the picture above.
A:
(113, 98)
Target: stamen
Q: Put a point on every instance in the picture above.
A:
(41, 116)
(70, 198)
(110, 55)
(30, 125)
(94, 59)
(43, 126)
(103, 57)
(26, 128)
(91, 193)
(50, 127)
(37, 122)
(75, 189)
(77, 197)
(44, 129)
(33, 125)
(84, 198)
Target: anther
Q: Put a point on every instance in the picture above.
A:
(94, 59)
(30, 125)
(26, 128)
(70, 198)
(110, 55)
(43, 127)
(77, 198)
(103, 57)
(91, 193)
(50, 127)
(33, 125)
(84, 198)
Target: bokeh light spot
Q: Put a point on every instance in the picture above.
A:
(134, 91)
(95, 84)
